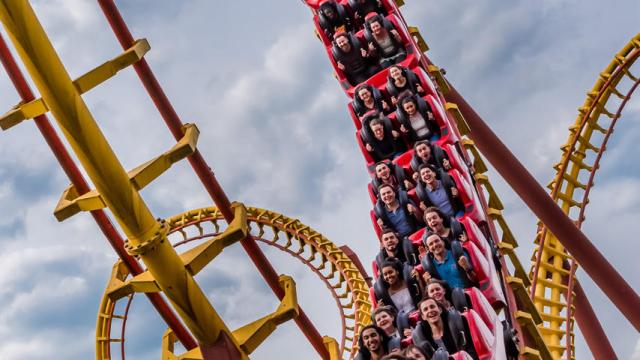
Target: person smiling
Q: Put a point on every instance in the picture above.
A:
(438, 189)
(435, 330)
(455, 269)
(373, 343)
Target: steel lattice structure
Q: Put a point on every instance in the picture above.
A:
(551, 283)
(330, 263)
(553, 272)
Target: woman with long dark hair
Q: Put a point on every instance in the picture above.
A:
(373, 343)
(399, 285)
(444, 329)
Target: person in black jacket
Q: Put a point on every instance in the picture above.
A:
(388, 173)
(403, 82)
(367, 98)
(384, 40)
(437, 188)
(362, 8)
(352, 58)
(448, 228)
(424, 152)
(444, 329)
(380, 140)
(332, 17)
(393, 247)
(399, 285)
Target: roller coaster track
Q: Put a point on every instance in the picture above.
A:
(332, 264)
(553, 272)
(541, 332)
(521, 312)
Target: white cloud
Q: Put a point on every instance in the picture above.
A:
(275, 129)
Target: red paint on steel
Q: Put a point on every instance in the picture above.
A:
(597, 341)
(124, 324)
(510, 297)
(72, 171)
(222, 349)
(358, 264)
(536, 198)
(590, 327)
(203, 171)
(570, 313)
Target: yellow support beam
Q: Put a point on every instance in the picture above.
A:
(415, 33)
(478, 164)
(143, 175)
(194, 259)
(21, 112)
(198, 257)
(332, 346)
(70, 203)
(110, 68)
(453, 109)
(84, 83)
(436, 72)
(252, 335)
(147, 237)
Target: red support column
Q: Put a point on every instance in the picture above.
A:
(203, 171)
(594, 334)
(525, 185)
(73, 173)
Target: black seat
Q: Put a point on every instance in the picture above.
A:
(358, 105)
(329, 26)
(447, 182)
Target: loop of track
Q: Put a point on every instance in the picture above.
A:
(553, 271)
(329, 262)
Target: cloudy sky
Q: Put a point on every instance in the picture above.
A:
(275, 129)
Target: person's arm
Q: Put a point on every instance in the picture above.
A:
(408, 184)
(396, 35)
(368, 147)
(416, 275)
(415, 211)
(465, 264)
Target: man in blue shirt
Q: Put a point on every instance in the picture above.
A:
(401, 218)
(456, 272)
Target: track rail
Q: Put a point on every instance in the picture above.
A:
(520, 312)
(553, 272)
(330, 263)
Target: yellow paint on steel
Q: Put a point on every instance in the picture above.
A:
(146, 236)
(525, 313)
(84, 83)
(71, 203)
(328, 261)
(251, 335)
(568, 188)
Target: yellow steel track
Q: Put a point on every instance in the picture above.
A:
(553, 269)
(331, 263)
